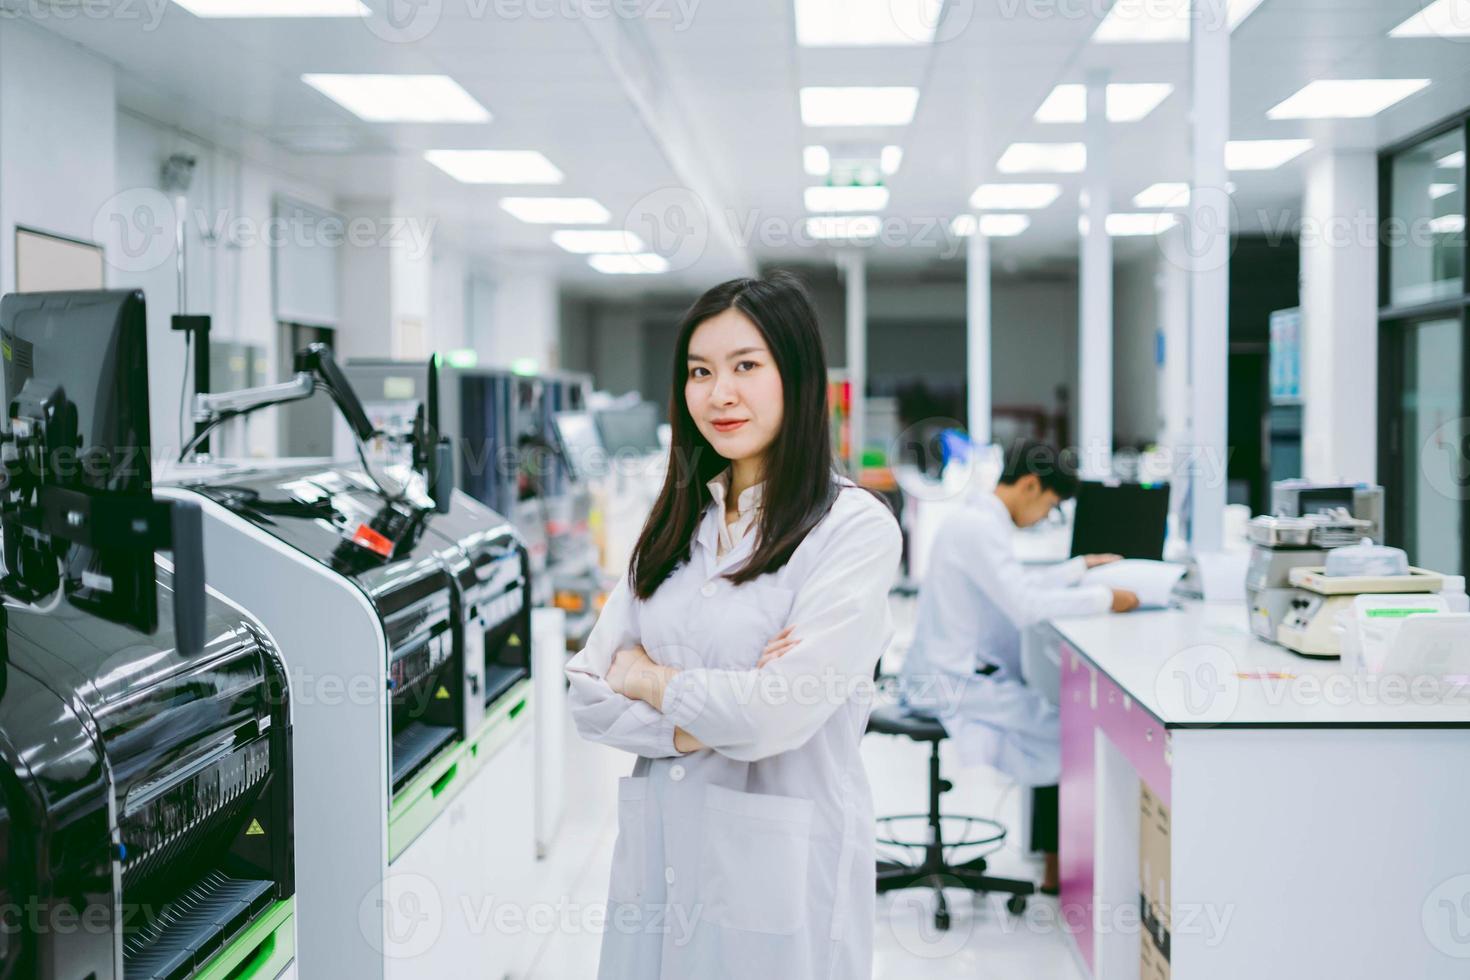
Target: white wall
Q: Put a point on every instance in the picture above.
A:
(228, 263)
(56, 138)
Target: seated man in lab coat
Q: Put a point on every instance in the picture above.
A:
(964, 667)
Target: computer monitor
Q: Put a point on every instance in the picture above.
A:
(1125, 519)
(76, 398)
(580, 444)
(630, 430)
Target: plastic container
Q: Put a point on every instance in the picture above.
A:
(1453, 593)
(1370, 639)
(1366, 559)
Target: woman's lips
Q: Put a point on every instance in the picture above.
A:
(728, 426)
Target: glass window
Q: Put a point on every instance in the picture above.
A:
(1427, 231)
(1435, 477)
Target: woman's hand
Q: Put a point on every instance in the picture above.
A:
(1095, 560)
(780, 645)
(625, 663)
(635, 675)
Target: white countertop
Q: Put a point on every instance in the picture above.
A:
(1199, 666)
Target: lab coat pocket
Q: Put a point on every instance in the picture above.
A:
(753, 861)
(630, 853)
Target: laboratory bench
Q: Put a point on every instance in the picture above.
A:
(1231, 809)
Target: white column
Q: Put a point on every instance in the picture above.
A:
(1209, 263)
(1339, 268)
(977, 337)
(365, 301)
(855, 264)
(524, 323)
(1095, 315)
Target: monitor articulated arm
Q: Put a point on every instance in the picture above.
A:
(215, 406)
(314, 367)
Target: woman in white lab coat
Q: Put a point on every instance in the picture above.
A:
(736, 660)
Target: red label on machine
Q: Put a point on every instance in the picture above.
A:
(372, 540)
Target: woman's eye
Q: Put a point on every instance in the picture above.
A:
(695, 372)
(745, 366)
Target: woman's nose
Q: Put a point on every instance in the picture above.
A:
(723, 392)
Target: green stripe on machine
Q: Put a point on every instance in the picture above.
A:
(430, 792)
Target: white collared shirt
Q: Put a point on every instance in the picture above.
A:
(748, 509)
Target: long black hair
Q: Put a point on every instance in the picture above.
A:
(799, 482)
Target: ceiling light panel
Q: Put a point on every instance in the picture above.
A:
(866, 23)
(858, 105)
(640, 264)
(846, 198)
(1052, 158)
(844, 226)
(586, 241)
(1160, 21)
(1346, 98)
(1127, 102)
(1263, 154)
(400, 98)
(1018, 197)
(816, 161)
(496, 166)
(1003, 225)
(1442, 19)
(275, 8)
(1166, 194)
(556, 210)
(1131, 225)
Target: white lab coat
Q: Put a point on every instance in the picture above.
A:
(975, 601)
(753, 858)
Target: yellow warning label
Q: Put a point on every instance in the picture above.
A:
(514, 640)
(255, 829)
(442, 694)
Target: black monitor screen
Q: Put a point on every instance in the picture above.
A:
(581, 445)
(93, 345)
(1125, 519)
(629, 430)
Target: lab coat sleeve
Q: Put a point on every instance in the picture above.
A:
(1022, 597)
(1060, 575)
(600, 713)
(840, 615)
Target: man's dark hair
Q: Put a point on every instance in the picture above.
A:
(1056, 470)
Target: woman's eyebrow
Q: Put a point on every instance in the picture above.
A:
(730, 356)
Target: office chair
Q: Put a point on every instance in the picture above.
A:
(934, 869)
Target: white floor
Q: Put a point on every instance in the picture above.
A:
(983, 942)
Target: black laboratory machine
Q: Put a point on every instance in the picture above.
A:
(145, 724)
(403, 609)
(509, 456)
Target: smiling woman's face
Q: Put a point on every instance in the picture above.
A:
(733, 388)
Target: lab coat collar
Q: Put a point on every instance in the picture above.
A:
(987, 501)
(719, 488)
(708, 535)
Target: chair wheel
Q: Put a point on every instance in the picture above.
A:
(941, 920)
(1016, 905)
